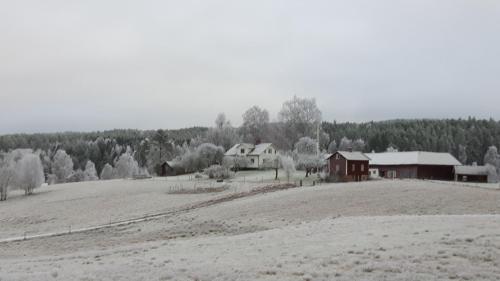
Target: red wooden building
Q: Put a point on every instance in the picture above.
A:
(348, 166)
(414, 165)
(472, 173)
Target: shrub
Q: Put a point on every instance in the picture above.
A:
(218, 172)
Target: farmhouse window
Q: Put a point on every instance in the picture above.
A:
(362, 167)
(242, 151)
(353, 167)
(337, 168)
(252, 160)
(270, 151)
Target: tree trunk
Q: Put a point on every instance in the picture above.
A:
(276, 177)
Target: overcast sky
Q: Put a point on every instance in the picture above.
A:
(94, 65)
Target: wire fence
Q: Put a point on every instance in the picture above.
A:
(173, 185)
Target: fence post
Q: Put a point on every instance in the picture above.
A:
(69, 229)
(24, 236)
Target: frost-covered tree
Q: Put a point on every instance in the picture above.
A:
(462, 154)
(492, 173)
(223, 134)
(126, 166)
(288, 166)
(62, 166)
(492, 159)
(306, 145)
(107, 172)
(345, 144)
(309, 162)
(332, 147)
(491, 156)
(7, 176)
(29, 173)
(301, 117)
(235, 163)
(90, 173)
(255, 123)
(391, 148)
(210, 154)
(358, 145)
(159, 151)
(324, 141)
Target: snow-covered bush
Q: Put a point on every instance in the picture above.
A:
(218, 172)
(77, 176)
(235, 162)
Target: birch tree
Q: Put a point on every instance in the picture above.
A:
(29, 173)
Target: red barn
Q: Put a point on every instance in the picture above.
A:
(414, 165)
(348, 166)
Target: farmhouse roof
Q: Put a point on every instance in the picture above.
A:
(233, 150)
(260, 148)
(413, 158)
(354, 156)
(471, 170)
(256, 149)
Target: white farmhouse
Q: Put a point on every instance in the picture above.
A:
(256, 155)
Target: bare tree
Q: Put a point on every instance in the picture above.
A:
(223, 134)
(301, 116)
(255, 123)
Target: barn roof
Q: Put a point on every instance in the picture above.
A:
(471, 170)
(413, 158)
(354, 156)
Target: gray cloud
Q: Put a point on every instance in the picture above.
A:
(89, 65)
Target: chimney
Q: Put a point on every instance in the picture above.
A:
(349, 149)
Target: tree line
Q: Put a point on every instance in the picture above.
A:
(297, 131)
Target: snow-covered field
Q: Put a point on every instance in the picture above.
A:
(381, 230)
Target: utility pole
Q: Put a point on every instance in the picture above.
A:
(317, 148)
(317, 138)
